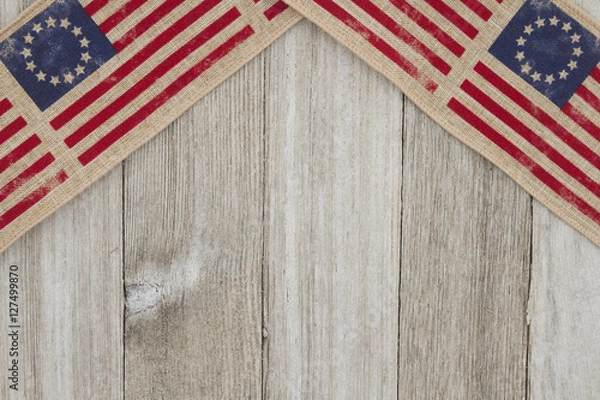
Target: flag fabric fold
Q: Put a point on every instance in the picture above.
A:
(516, 80)
(84, 83)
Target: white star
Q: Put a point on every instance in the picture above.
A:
(69, 77)
(31, 66)
(526, 68)
(528, 29)
(26, 52)
(28, 38)
(563, 74)
(85, 57)
(37, 28)
(575, 38)
(84, 42)
(76, 31)
(41, 76)
(80, 70)
(51, 22)
(55, 81)
(521, 41)
(572, 65)
(577, 51)
(549, 79)
(536, 76)
(566, 27)
(520, 55)
(554, 21)
(540, 22)
(64, 23)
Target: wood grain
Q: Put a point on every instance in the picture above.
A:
(193, 240)
(71, 294)
(305, 232)
(465, 271)
(70, 300)
(564, 312)
(333, 208)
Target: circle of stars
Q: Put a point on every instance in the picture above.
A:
(84, 44)
(528, 70)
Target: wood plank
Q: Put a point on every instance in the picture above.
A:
(465, 271)
(71, 293)
(564, 309)
(71, 299)
(333, 208)
(193, 236)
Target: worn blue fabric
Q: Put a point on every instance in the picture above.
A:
(548, 49)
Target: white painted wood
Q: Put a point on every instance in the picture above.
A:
(71, 294)
(194, 250)
(333, 222)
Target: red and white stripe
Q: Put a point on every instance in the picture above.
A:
(491, 104)
(584, 106)
(418, 37)
(428, 39)
(158, 71)
(25, 177)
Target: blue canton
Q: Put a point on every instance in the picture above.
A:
(55, 51)
(548, 49)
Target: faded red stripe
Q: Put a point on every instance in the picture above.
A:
(146, 23)
(452, 16)
(428, 26)
(25, 176)
(518, 155)
(595, 74)
(538, 114)
(11, 129)
(19, 152)
(482, 11)
(32, 199)
(526, 133)
(95, 6)
(384, 47)
(404, 35)
(148, 80)
(581, 120)
(159, 100)
(119, 16)
(275, 10)
(5, 105)
(130, 65)
(589, 97)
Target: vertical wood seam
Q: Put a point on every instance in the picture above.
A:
(123, 299)
(526, 389)
(401, 240)
(264, 267)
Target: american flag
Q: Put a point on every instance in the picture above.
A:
(518, 80)
(86, 82)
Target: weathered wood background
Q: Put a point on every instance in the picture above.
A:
(305, 232)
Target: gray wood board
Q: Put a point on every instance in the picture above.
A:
(305, 232)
